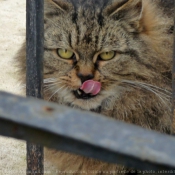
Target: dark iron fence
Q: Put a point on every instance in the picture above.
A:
(34, 72)
(173, 81)
(62, 128)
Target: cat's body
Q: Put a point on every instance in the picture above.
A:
(126, 47)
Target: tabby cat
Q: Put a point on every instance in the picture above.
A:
(112, 57)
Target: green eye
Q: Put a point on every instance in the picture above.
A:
(107, 55)
(64, 53)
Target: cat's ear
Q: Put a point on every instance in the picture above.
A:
(130, 10)
(62, 4)
(124, 9)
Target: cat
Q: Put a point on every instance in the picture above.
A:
(113, 57)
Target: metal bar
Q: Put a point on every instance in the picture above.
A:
(85, 133)
(34, 37)
(173, 80)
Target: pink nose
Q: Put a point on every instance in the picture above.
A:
(85, 77)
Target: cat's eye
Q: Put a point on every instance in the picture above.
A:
(65, 54)
(107, 55)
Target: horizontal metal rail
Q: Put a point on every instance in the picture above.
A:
(85, 133)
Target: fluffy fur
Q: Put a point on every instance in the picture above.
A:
(136, 83)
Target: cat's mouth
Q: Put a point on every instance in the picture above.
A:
(80, 94)
(88, 89)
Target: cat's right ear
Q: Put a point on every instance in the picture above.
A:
(61, 4)
(130, 10)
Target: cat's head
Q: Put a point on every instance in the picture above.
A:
(93, 47)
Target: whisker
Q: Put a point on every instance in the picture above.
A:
(52, 84)
(161, 98)
(49, 80)
(154, 91)
(56, 92)
(157, 87)
(148, 85)
(162, 94)
(48, 89)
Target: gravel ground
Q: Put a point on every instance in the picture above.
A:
(12, 34)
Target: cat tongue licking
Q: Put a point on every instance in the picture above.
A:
(91, 87)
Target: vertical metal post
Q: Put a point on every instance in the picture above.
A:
(173, 81)
(34, 71)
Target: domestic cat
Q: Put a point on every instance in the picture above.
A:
(112, 57)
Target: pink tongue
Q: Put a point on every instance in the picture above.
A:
(91, 87)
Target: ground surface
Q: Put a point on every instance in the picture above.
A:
(12, 34)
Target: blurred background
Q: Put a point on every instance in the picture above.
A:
(12, 34)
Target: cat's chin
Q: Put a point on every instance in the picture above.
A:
(69, 98)
(88, 104)
(85, 103)
(79, 94)
(92, 103)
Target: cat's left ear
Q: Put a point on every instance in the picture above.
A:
(128, 10)
(62, 5)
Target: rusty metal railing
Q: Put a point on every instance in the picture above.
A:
(85, 133)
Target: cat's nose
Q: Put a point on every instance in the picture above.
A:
(85, 77)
